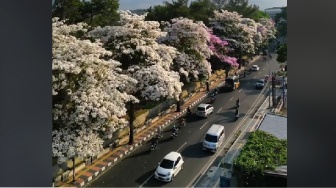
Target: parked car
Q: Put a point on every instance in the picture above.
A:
(203, 110)
(255, 67)
(168, 168)
(260, 84)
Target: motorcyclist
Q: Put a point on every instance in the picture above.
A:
(213, 98)
(159, 132)
(237, 102)
(182, 122)
(188, 110)
(174, 130)
(155, 141)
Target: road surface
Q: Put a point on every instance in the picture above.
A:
(138, 168)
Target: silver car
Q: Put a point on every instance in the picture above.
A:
(260, 84)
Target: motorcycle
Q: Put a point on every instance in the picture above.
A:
(213, 99)
(237, 114)
(159, 134)
(174, 133)
(154, 145)
(182, 124)
(188, 111)
(237, 104)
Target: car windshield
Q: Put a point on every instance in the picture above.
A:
(202, 109)
(211, 138)
(167, 164)
(260, 82)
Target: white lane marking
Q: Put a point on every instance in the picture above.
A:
(240, 90)
(203, 125)
(147, 180)
(182, 146)
(231, 98)
(219, 110)
(254, 76)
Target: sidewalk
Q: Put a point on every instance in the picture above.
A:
(91, 171)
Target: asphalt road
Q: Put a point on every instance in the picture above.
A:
(138, 168)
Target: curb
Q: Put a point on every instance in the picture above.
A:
(83, 180)
(99, 168)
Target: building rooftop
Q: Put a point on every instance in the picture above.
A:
(275, 125)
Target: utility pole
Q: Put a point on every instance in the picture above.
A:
(273, 89)
(283, 91)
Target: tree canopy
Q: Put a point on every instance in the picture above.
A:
(262, 151)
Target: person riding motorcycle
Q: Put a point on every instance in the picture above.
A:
(174, 130)
(188, 110)
(182, 122)
(237, 102)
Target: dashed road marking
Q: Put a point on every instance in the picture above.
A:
(182, 146)
(219, 110)
(231, 98)
(240, 90)
(203, 125)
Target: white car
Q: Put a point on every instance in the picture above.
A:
(168, 168)
(204, 110)
(255, 68)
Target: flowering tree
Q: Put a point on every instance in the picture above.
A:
(220, 50)
(88, 93)
(135, 45)
(269, 27)
(231, 25)
(191, 39)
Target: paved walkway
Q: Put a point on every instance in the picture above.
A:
(91, 171)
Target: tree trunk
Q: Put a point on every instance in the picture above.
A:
(131, 126)
(178, 106)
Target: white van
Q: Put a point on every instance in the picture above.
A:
(214, 138)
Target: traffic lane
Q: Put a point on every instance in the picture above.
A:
(147, 160)
(134, 169)
(195, 158)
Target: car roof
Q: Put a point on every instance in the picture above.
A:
(172, 156)
(214, 129)
(255, 65)
(203, 105)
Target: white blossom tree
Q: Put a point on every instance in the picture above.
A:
(135, 45)
(269, 28)
(88, 93)
(191, 39)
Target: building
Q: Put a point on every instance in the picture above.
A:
(277, 126)
(273, 11)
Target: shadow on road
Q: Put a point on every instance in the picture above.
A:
(145, 152)
(145, 176)
(195, 151)
(193, 118)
